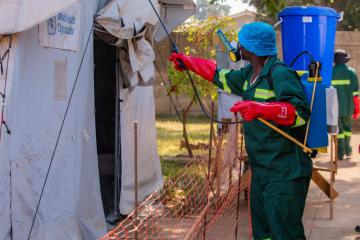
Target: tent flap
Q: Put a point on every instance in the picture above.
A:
(124, 19)
(138, 105)
(132, 18)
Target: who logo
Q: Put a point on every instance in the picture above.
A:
(51, 26)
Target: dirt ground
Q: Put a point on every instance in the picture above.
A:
(316, 220)
(346, 205)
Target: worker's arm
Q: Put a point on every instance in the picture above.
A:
(203, 67)
(280, 112)
(229, 80)
(355, 90)
(288, 89)
(290, 107)
(354, 82)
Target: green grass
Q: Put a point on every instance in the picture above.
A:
(171, 168)
(169, 136)
(182, 175)
(169, 133)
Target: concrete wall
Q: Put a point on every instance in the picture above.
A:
(243, 17)
(349, 41)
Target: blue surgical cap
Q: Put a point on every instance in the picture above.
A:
(258, 38)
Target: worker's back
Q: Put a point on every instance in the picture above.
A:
(345, 81)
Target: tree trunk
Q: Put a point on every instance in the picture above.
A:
(185, 113)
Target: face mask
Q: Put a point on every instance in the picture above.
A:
(240, 53)
(236, 54)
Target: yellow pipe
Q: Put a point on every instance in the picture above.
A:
(294, 140)
(312, 101)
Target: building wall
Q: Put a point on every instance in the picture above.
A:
(243, 18)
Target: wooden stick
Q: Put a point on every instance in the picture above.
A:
(211, 138)
(218, 165)
(305, 148)
(322, 169)
(239, 191)
(331, 177)
(136, 171)
(209, 162)
(324, 185)
(336, 153)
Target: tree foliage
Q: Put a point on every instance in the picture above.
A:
(267, 10)
(201, 37)
(205, 9)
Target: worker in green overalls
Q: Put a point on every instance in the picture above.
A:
(281, 171)
(345, 80)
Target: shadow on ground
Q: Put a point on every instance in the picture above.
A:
(317, 213)
(341, 164)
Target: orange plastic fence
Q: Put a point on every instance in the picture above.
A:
(195, 203)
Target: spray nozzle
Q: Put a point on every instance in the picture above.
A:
(234, 55)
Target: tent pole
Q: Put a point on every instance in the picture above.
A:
(136, 171)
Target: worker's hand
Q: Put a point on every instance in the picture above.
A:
(280, 112)
(203, 67)
(356, 113)
(178, 60)
(246, 109)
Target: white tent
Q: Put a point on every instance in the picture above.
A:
(38, 85)
(36, 81)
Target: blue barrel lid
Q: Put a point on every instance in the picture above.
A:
(308, 11)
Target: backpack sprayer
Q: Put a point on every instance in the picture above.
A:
(312, 29)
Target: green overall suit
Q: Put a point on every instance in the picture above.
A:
(281, 171)
(345, 80)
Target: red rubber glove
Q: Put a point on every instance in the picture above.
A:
(279, 112)
(356, 107)
(203, 67)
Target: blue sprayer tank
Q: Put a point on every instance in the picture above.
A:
(317, 135)
(311, 29)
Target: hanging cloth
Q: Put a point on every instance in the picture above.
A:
(125, 25)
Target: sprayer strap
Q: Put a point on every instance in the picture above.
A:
(272, 69)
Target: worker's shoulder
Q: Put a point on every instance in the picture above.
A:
(244, 71)
(279, 68)
(351, 69)
(235, 74)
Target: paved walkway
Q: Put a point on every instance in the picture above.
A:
(346, 206)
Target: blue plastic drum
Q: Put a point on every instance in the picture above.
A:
(312, 29)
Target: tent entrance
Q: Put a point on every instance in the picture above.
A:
(106, 127)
